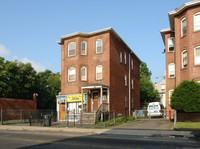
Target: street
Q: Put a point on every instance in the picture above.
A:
(70, 140)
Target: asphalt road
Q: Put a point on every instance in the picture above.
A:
(45, 140)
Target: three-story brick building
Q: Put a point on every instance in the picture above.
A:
(97, 69)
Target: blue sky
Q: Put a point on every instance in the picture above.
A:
(29, 29)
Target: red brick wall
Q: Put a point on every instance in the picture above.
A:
(13, 104)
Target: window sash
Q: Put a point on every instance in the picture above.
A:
(99, 46)
(184, 58)
(171, 70)
(171, 44)
(184, 27)
(72, 49)
(197, 22)
(125, 102)
(72, 74)
(98, 72)
(197, 55)
(83, 73)
(132, 64)
(124, 57)
(120, 57)
(125, 80)
(83, 47)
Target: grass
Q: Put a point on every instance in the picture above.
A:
(117, 121)
(188, 125)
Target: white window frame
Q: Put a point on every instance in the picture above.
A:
(85, 48)
(71, 68)
(85, 73)
(131, 64)
(196, 59)
(124, 57)
(182, 54)
(72, 49)
(120, 56)
(170, 95)
(172, 43)
(182, 35)
(196, 23)
(169, 70)
(97, 52)
(125, 80)
(100, 67)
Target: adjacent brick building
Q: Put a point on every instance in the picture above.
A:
(98, 68)
(182, 46)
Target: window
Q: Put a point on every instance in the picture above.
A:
(132, 85)
(171, 69)
(132, 102)
(104, 95)
(170, 95)
(184, 59)
(120, 57)
(197, 21)
(163, 87)
(99, 46)
(72, 49)
(197, 55)
(124, 57)
(125, 102)
(83, 47)
(132, 64)
(125, 80)
(183, 27)
(71, 74)
(83, 73)
(171, 44)
(98, 72)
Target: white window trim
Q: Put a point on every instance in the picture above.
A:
(124, 57)
(182, 58)
(198, 13)
(101, 72)
(68, 74)
(174, 70)
(182, 26)
(120, 56)
(101, 46)
(85, 73)
(173, 43)
(85, 47)
(195, 56)
(68, 49)
(125, 80)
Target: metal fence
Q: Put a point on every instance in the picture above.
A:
(30, 116)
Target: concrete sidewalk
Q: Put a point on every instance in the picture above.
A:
(113, 131)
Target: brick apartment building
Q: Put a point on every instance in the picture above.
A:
(98, 69)
(182, 46)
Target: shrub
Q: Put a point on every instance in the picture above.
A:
(186, 97)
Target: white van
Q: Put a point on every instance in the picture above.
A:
(155, 109)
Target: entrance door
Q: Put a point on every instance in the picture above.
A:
(95, 101)
(62, 112)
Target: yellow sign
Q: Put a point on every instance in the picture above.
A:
(75, 98)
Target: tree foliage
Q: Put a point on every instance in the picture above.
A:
(20, 81)
(147, 91)
(186, 97)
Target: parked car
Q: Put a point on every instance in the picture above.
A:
(155, 109)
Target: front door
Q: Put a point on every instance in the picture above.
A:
(95, 101)
(62, 111)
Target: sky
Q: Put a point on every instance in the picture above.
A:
(30, 29)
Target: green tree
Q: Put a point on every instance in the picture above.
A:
(147, 91)
(186, 97)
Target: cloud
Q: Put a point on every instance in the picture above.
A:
(38, 67)
(4, 51)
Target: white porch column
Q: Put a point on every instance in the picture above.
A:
(101, 95)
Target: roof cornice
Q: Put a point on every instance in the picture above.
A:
(164, 31)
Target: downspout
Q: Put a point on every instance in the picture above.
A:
(130, 83)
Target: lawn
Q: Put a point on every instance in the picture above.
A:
(188, 125)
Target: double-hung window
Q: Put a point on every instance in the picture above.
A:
(197, 21)
(197, 55)
(99, 46)
(125, 102)
(71, 74)
(132, 64)
(125, 80)
(171, 44)
(120, 57)
(83, 48)
(132, 85)
(184, 59)
(124, 57)
(83, 73)
(99, 75)
(171, 70)
(71, 49)
(183, 27)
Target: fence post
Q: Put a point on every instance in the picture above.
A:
(175, 119)
(1, 117)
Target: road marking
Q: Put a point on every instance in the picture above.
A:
(65, 143)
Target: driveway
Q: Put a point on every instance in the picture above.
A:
(148, 124)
